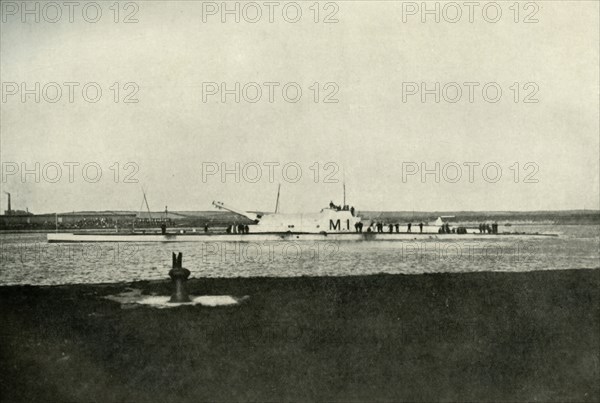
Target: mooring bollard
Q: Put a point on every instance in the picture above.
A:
(179, 276)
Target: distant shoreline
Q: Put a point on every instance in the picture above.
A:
(76, 221)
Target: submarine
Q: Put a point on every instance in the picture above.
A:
(332, 223)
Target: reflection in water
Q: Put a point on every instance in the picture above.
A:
(28, 259)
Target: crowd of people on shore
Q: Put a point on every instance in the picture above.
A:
(485, 228)
(445, 229)
(87, 223)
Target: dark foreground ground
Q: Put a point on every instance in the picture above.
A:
(480, 336)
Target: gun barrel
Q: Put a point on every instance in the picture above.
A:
(251, 216)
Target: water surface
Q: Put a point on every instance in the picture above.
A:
(28, 259)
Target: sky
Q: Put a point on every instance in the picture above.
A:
(347, 95)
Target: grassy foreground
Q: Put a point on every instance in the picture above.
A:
(479, 336)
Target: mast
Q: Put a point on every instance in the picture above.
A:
(277, 202)
(344, 187)
(247, 214)
(147, 206)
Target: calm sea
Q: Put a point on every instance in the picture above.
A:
(28, 259)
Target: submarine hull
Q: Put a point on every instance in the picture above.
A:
(260, 237)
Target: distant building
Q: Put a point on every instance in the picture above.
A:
(10, 211)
